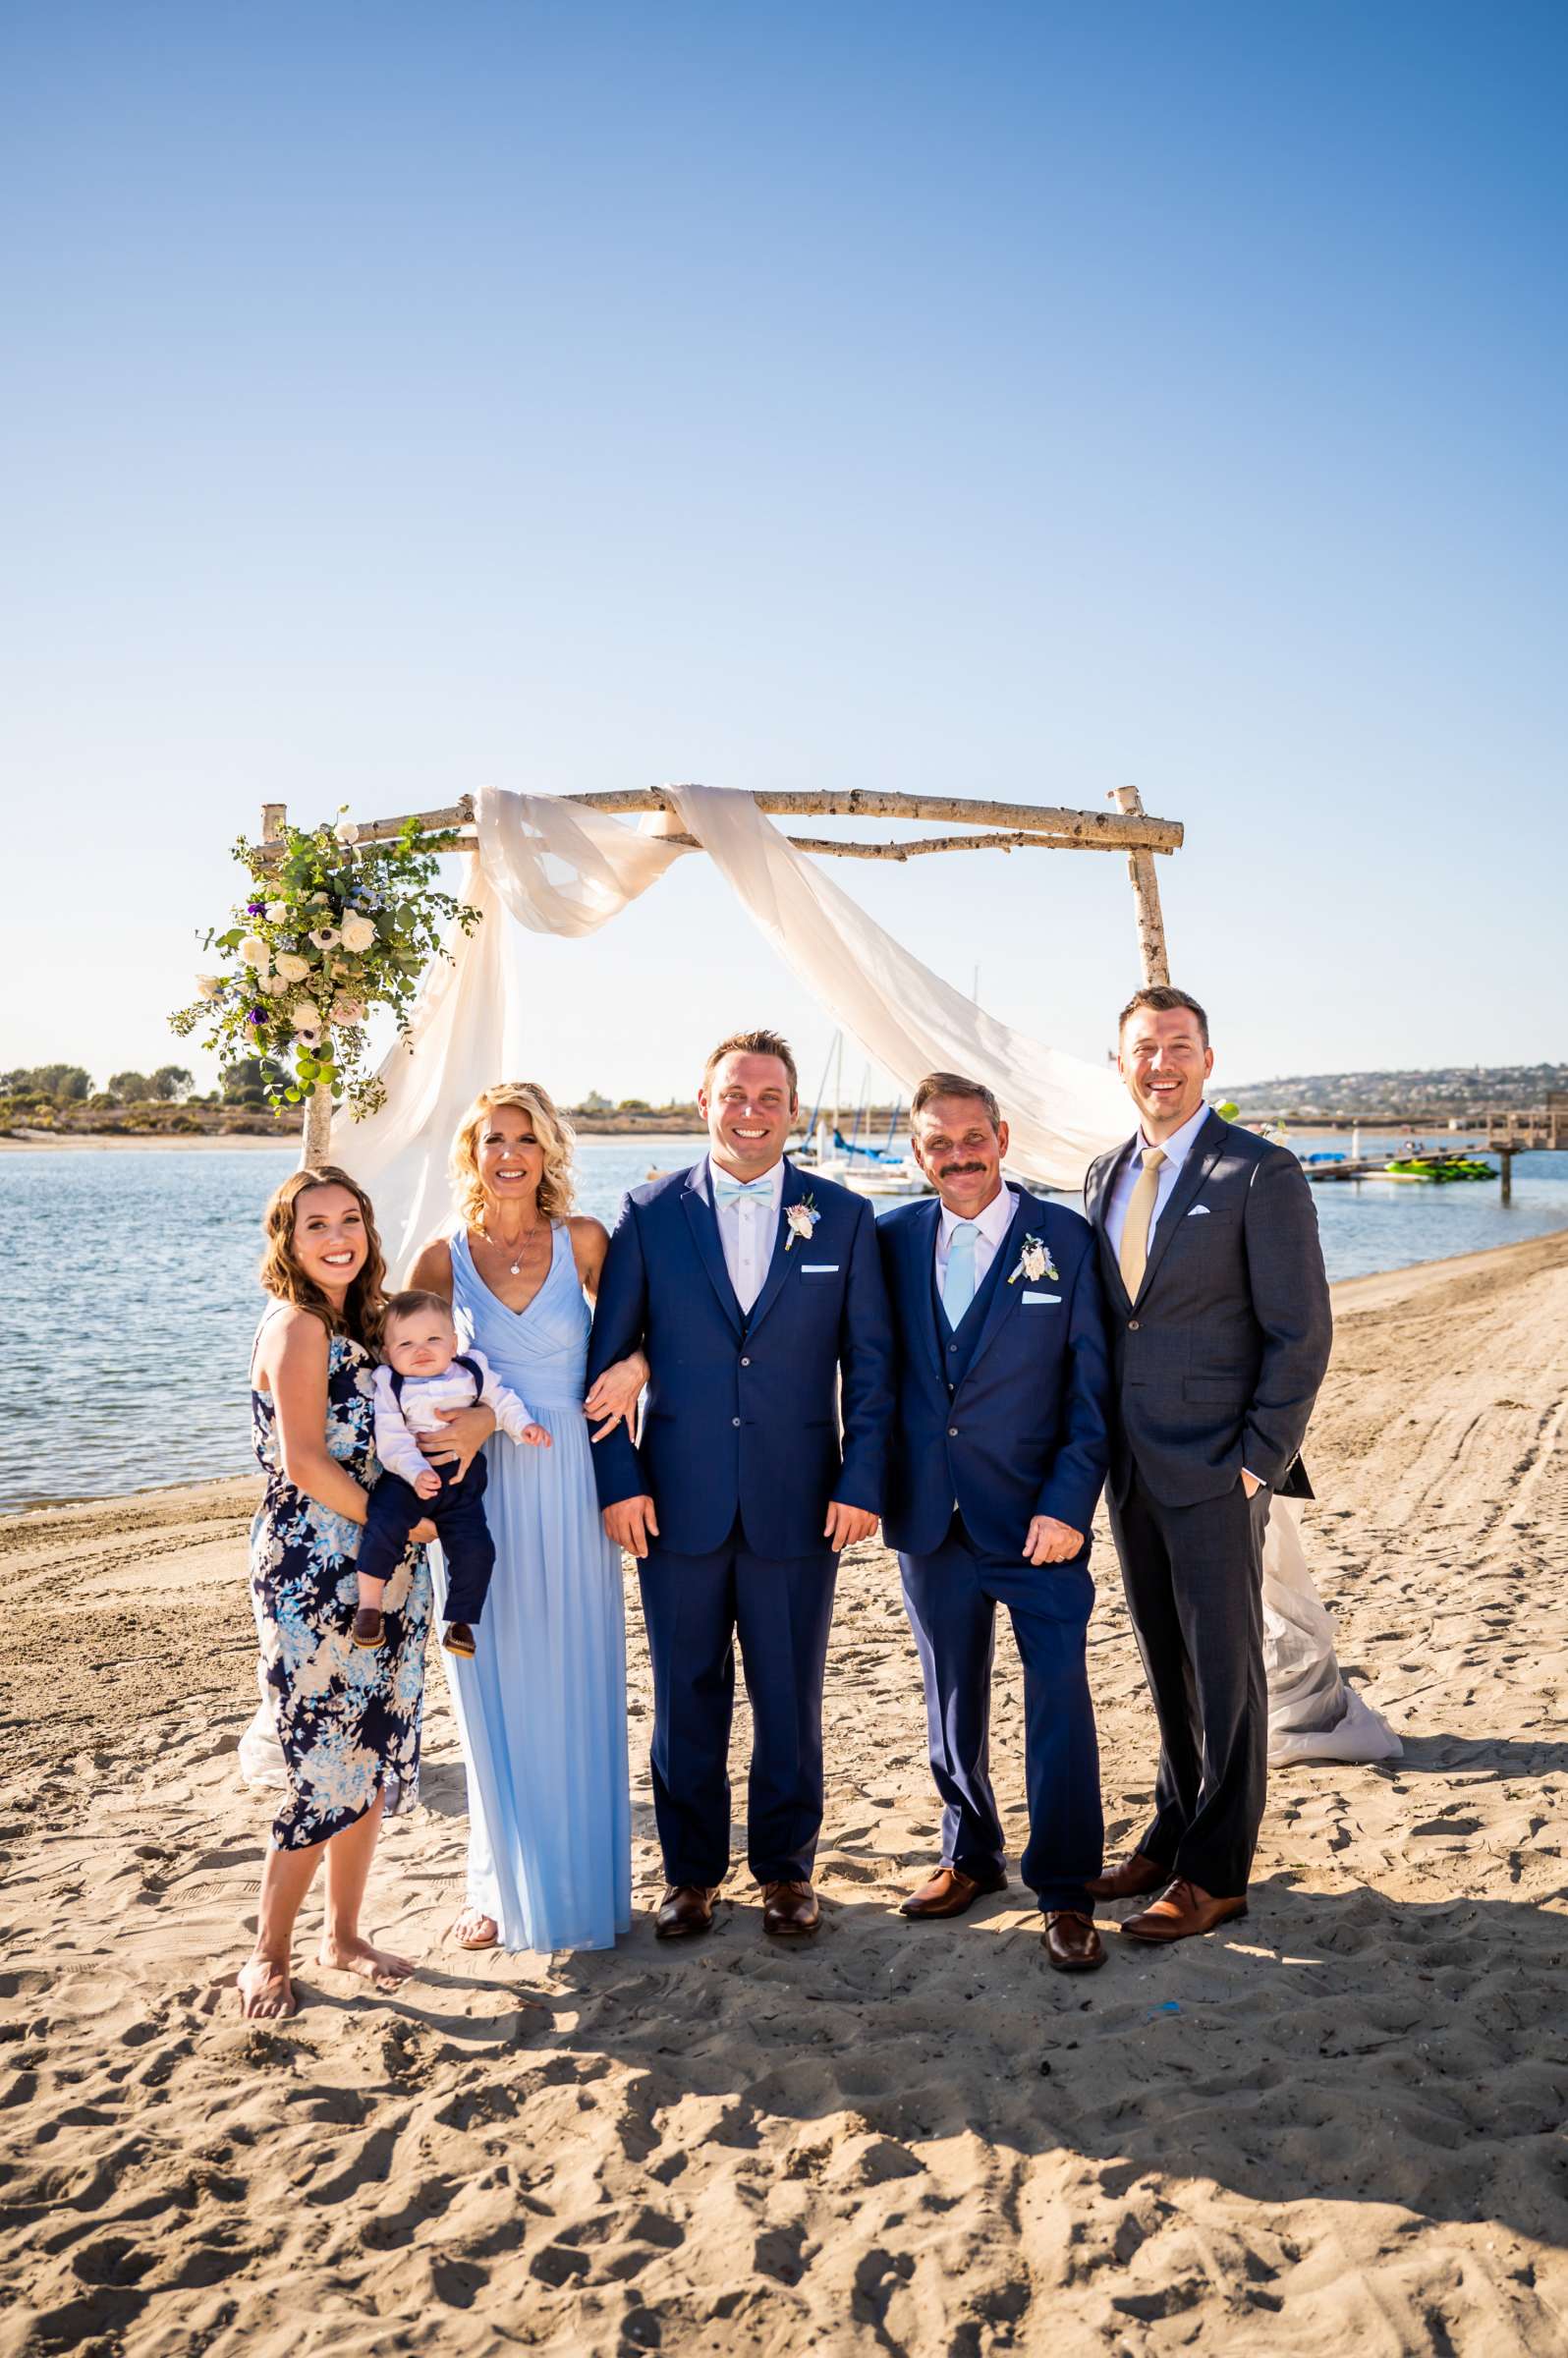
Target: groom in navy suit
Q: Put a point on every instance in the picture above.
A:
(756, 1295)
(999, 1454)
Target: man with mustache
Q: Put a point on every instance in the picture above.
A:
(998, 1456)
(1221, 1325)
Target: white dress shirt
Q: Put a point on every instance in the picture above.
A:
(992, 1223)
(399, 1421)
(747, 1229)
(1175, 1149)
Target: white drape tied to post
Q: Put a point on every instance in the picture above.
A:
(560, 868)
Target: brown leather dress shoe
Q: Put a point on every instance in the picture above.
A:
(1129, 1879)
(948, 1893)
(369, 1629)
(684, 1910)
(791, 1910)
(1071, 1942)
(1182, 1911)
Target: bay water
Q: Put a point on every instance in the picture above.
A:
(132, 1298)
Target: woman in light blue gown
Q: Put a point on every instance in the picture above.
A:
(542, 1707)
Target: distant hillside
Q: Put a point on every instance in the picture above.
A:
(1463, 1090)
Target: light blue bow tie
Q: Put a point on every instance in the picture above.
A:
(742, 1191)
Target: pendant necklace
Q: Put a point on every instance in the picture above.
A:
(515, 1266)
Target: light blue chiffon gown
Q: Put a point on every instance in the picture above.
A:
(542, 1707)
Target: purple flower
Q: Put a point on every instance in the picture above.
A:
(256, 908)
(256, 1017)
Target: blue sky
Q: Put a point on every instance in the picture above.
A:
(1012, 401)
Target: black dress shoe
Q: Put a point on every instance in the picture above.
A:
(685, 1910)
(791, 1910)
(948, 1893)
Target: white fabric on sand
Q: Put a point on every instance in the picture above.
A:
(1312, 1715)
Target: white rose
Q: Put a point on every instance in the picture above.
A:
(346, 831)
(347, 1011)
(275, 986)
(293, 969)
(357, 934)
(306, 1015)
(326, 939)
(325, 899)
(209, 985)
(254, 950)
(277, 910)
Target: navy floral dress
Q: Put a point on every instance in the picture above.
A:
(347, 1719)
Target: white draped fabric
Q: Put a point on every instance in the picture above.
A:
(1312, 1715)
(560, 868)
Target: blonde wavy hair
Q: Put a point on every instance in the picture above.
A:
(557, 1192)
(284, 1279)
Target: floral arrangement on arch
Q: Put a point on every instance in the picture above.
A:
(330, 930)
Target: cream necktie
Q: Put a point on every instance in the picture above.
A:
(1139, 1219)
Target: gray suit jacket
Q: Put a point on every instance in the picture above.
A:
(1218, 1361)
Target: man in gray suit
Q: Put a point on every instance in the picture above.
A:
(1218, 1308)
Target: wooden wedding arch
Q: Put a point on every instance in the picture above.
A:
(988, 827)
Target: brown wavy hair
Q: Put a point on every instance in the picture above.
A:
(556, 1136)
(365, 1303)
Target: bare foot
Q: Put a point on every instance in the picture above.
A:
(474, 1930)
(382, 1968)
(265, 1989)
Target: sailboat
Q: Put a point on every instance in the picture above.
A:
(882, 1171)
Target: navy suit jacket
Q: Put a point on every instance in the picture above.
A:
(1025, 1430)
(1219, 1359)
(742, 1414)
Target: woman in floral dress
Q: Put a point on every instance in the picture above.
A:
(348, 1720)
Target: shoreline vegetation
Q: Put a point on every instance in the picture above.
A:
(57, 1106)
(668, 1122)
(1334, 2122)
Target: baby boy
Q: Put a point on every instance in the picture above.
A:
(423, 1373)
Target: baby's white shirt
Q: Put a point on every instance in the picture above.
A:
(397, 1421)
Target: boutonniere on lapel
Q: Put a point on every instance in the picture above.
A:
(1034, 1262)
(800, 1218)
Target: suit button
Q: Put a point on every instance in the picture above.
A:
(735, 1419)
(746, 1363)
(1132, 1325)
(952, 1347)
(952, 1432)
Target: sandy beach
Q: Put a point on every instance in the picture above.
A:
(1337, 2124)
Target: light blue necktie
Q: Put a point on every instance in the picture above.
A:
(742, 1191)
(958, 1285)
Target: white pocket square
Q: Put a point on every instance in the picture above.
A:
(819, 1268)
(1028, 1297)
(1200, 1211)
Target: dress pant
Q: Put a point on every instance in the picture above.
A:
(457, 1513)
(781, 1608)
(951, 1599)
(1194, 1576)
